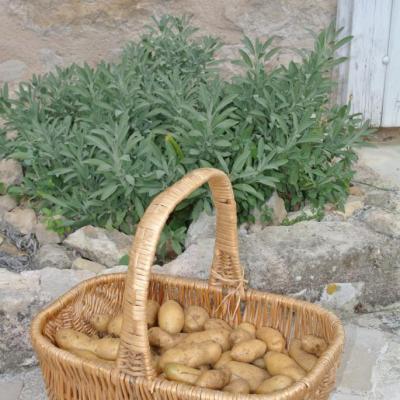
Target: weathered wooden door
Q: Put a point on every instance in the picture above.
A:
(371, 77)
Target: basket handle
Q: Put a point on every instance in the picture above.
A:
(134, 354)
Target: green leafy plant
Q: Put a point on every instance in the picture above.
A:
(98, 144)
(55, 222)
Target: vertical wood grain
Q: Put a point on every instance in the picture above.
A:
(344, 17)
(370, 26)
(391, 100)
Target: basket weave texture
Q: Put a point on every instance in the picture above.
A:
(68, 377)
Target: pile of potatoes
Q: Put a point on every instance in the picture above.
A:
(190, 347)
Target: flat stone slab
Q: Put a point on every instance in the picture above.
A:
(384, 159)
(370, 368)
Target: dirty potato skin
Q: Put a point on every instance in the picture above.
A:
(181, 373)
(272, 337)
(152, 313)
(171, 317)
(250, 373)
(259, 362)
(70, 339)
(162, 339)
(248, 327)
(223, 360)
(248, 350)
(195, 319)
(214, 379)
(306, 360)
(239, 335)
(100, 322)
(277, 382)
(115, 325)
(192, 356)
(280, 364)
(216, 323)
(237, 385)
(313, 345)
(220, 336)
(106, 348)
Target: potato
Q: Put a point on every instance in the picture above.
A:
(259, 362)
(281, 364)
(69, 339)
(195, 318)
(100, 322)
(192, 356)
(238, 385)
(214, 379)
(156, 363)
(250, 373)
(152, 312)
(106, 348)
(115, 325)
(160, 338)
(248, 350)
(248, 327)
(314, 345)
(273, 338)
(181, 373)
(171, 317)
(88, 355)
(220, 336)
(239, 335)
(216, 323)
(304, 359)
(224, 359)
(277, 382)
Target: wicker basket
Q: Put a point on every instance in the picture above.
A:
(224, 296)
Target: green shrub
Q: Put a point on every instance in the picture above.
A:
(98, 143)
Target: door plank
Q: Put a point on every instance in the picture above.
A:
(366, 77)
(344, 18)
(391, 99)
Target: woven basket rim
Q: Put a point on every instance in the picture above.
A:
(311, 380)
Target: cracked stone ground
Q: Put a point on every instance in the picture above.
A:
(370, 368)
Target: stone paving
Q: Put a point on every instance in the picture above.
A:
(370, 368)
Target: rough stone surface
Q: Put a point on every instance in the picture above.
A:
(115, 270)
(370, 367)
(12, 70)
(384, 160)
(46, 236)
(277, 205)
(304, 258)
(81, 263)
(100, 245)
(383, 221)
(22, 295)
(342, 296)
(40, 33)
(353, 204)
(387, 200)
(356, 191)
(10, 172)
(50, 59)
(7, 202)
(22, 220)
(203, 227)
(304, 213)
(52, 256)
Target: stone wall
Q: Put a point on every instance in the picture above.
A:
(36, 35)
